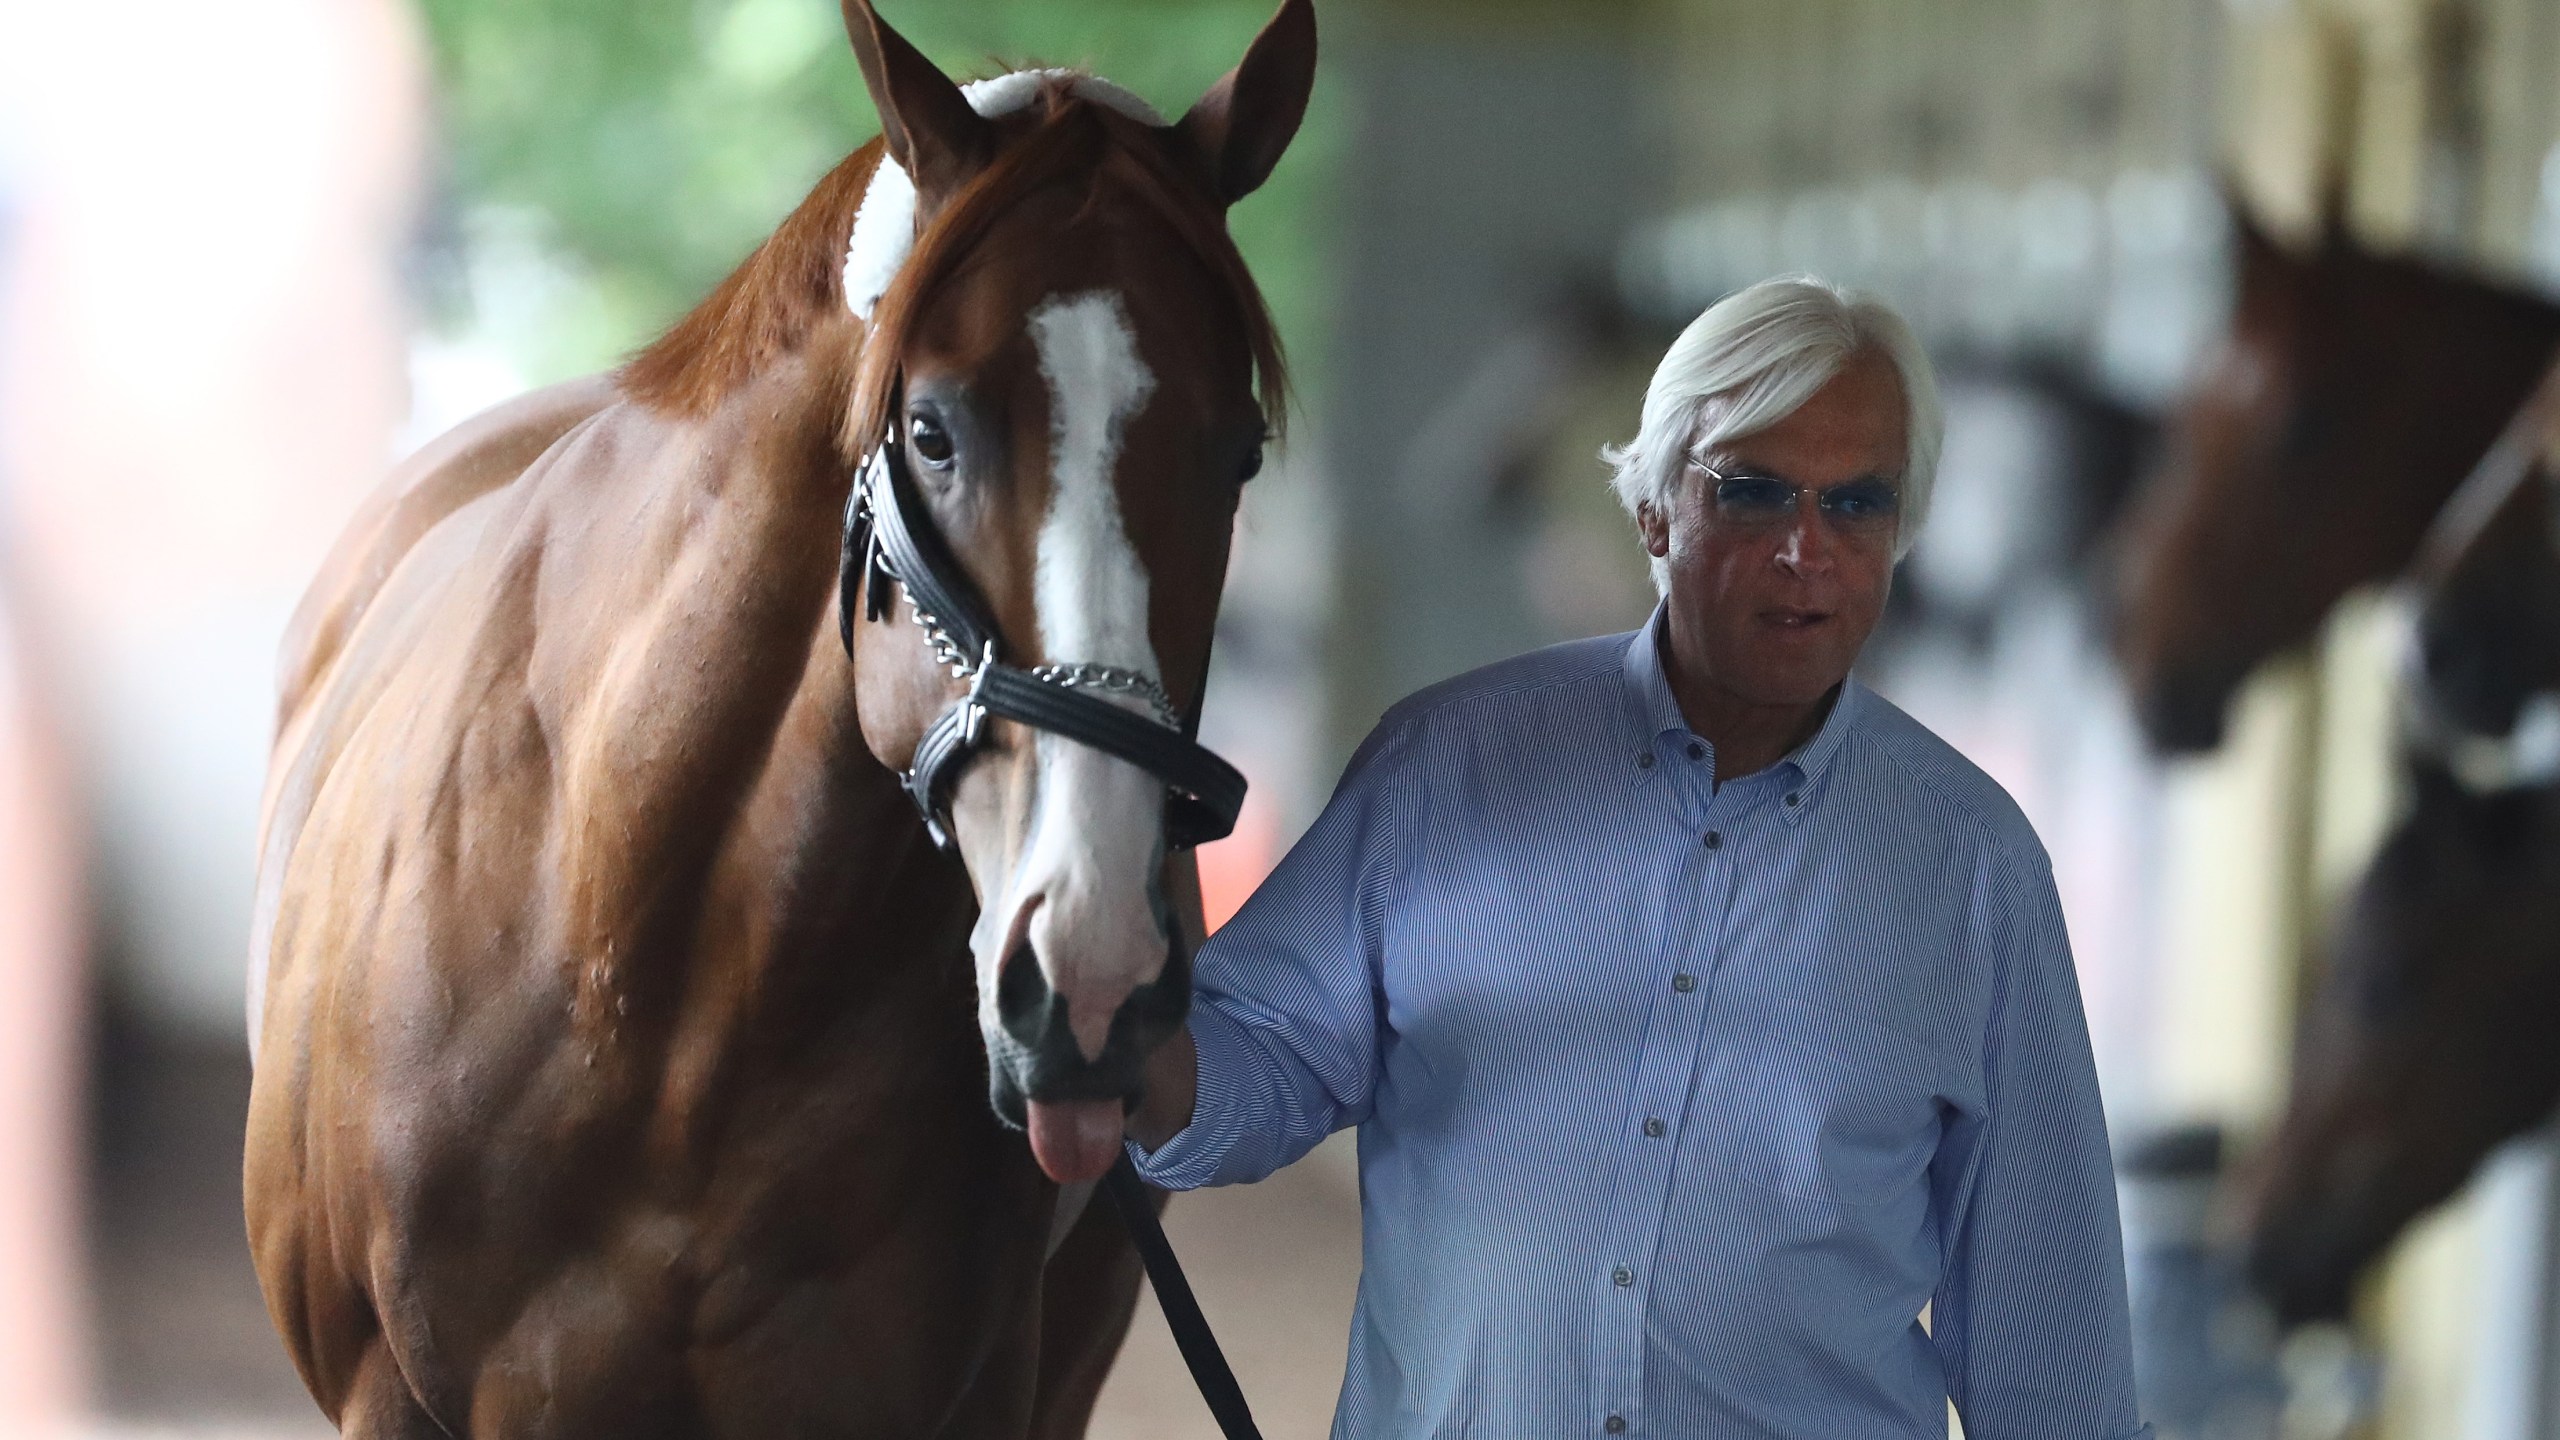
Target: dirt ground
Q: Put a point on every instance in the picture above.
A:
(1275, 1266)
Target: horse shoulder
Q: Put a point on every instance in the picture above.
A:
(482, 453)
(395, 859)
(476, 458)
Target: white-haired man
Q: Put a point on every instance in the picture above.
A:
(1703, 1016)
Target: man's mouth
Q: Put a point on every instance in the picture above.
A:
(1788, 618)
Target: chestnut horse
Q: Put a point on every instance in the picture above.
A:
(625, 1042)
(2427, 1045)
(2351, 396)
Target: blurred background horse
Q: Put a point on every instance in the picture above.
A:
(2428, 1044)
(2350, 396)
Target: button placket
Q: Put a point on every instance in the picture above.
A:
(1670, 1031)
(1673, 1033)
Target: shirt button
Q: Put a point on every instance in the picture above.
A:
(1653, 1128)
(1644, 759)
(1622, 1277)
(1684, 983)
(1615, 1424)
(1715, 839)
(1697, 751)
(1794, 799)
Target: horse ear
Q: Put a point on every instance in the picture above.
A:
(925, 121)
(1247, 119)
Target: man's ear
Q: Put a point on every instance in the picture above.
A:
(1655, 528)
(924, 119)
(1245, 122)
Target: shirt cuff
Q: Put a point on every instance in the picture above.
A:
(1192, 1157)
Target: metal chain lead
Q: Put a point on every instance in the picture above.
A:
(1113, 680)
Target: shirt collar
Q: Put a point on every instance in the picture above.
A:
(1652, 711)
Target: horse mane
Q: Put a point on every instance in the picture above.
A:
(2338, 262)
(768, 307)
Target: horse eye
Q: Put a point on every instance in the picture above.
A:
(1252, 464)
(931, 442)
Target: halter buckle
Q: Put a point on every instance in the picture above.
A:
(973, 709)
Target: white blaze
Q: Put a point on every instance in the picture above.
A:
(1091, 858)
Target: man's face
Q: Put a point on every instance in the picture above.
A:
(1773, 610)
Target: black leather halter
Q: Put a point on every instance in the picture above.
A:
(889, 536)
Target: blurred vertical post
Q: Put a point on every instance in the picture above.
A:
(208, 337)
(42, 1317)
(43, 949)
(1497, 164)
(200, 368)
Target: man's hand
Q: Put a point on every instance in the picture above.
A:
(1173, 1084)
(1173, 1072)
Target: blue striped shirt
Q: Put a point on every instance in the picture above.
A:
(1677, 1102)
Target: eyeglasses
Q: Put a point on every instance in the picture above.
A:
(1862, 509)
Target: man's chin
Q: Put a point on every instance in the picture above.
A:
(1793, 693)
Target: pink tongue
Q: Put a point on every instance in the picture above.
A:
(1075, 1140)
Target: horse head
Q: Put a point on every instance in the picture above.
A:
(2350, 396)
(1063, 348)
(2489, 616)
(2428, 1043)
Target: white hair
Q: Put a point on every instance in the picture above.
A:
(1754, 358)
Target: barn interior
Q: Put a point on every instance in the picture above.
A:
(251, 254)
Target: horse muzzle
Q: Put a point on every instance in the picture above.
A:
(2183, 712)
(1042, 1081)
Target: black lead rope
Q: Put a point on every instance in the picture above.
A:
(889, 537)
(1181, 1309)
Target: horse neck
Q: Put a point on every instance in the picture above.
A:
(2496, 347)
(2524, 332)
(763, 788)
(845, 834)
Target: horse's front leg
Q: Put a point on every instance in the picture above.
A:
(380, 1405)
(1087, 1296)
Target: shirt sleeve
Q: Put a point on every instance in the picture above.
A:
(1285, 1001)
(2030, 1317)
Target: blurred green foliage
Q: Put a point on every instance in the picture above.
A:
(605, 162)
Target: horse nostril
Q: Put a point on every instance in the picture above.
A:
(1024, 1000)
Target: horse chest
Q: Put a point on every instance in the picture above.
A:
(723, 1241)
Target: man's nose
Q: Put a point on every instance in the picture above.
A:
(1809, 547)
